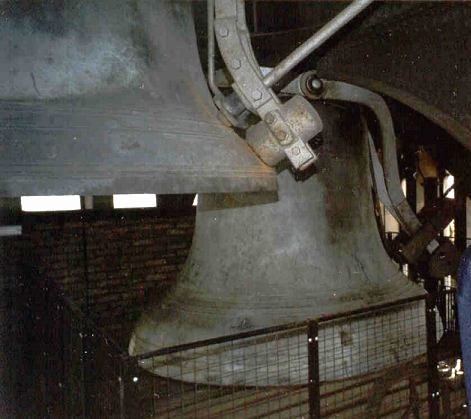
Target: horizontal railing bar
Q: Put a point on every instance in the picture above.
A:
(364, 311)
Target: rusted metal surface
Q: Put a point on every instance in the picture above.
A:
(109, 97)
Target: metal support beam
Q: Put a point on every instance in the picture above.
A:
(315, 41)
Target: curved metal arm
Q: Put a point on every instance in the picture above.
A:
(285, 128)
(335, 90)
(345, 92)
(281, 132)
(211, 50)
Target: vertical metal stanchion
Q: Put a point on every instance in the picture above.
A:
(432, 372)
(83, 369)
(313, 370)
(86, 333)
(122, 375)
(44, 328)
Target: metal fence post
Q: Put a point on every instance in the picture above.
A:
(433, 378)
(83, 370)
(313, 370)
(121, 379)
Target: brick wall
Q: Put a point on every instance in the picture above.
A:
(110, 262)
(14, 365)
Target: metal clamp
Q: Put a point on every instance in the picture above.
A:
(284, 128)
(285, 131)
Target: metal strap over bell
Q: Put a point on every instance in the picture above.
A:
(109, 97)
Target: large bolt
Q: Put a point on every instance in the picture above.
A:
(296, 151)
(236, 64)
(316, 141)
(283, 137)
(270, 118)
(256, 95)
(223, 31)
(314, 85)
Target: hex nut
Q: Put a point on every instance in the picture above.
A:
(236, 64)
(223, 31)
(282, 136)
(256, 94)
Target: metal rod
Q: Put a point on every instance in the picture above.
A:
(313, 371)
(315, 41)
(292, 327)
(432, 373)
(335, 90)
(122, 407)
(447, 191)
(211, 49)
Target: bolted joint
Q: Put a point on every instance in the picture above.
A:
(223, 31)
(270, 118)
(257, 95)
(314, 85)
(317, 141)
(285, 132)
(283, 137)
(311, 85)
(232, 111)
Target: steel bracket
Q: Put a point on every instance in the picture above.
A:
(345, 92)
(284, 128)
(422, 236)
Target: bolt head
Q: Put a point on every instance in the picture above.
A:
(223, 31)
(256, 94)
(296, 151)
(282, 137)
(316, 141)
(236, 63)
(270, 118)
(314, 85)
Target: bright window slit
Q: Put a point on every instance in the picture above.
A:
(134, 201)
(50, 203)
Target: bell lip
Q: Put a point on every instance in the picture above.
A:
(399, 292)
(84, 167)
(142, 181)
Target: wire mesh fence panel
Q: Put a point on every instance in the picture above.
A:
(377, 362)
(74, 391)
(103, 377)
(450, 309)
(58, 355)
(79, 368)
(374, 364)
(261, 376)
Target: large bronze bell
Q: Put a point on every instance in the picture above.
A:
(104, 97)
(314, 251)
